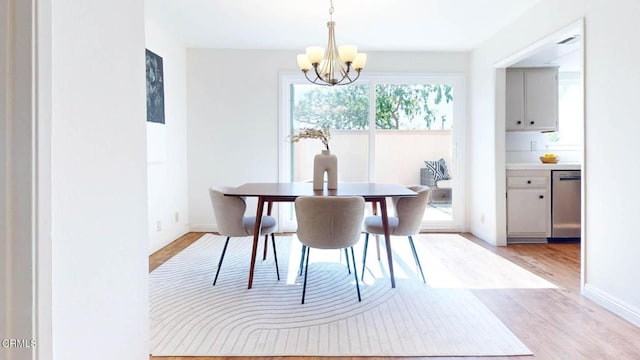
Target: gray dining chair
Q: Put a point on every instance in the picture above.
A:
(329, 222)
(409, 215)
(229, 213)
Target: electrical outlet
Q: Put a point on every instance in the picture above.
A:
(158, 225)
(176, 216)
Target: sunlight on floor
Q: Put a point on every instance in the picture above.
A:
(438, 212)
(448, 261)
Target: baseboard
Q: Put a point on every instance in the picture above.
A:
(484, 234)
(616, 306)
(526, 240)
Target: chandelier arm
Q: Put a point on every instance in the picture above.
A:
(318, 76)
(349, 78)
(345, 73)
(314, 81)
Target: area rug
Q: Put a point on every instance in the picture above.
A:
(190, 317)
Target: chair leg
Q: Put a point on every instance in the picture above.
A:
(355, 273)
(306, 269)
(346, 256)
(364, 254)
(275, 254)
(224, 250)
(415, 256)
(266, 243)
(304, 249)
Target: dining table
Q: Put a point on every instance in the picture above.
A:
(376, 193)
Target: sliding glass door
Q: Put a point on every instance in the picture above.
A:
(387, 129)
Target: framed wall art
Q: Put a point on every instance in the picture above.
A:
(155, 88)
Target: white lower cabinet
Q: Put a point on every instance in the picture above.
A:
(528, 205)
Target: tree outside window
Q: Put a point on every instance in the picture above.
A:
(398, 107)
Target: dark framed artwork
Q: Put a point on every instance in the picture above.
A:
(155, 88)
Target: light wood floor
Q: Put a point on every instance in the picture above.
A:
(554, 323)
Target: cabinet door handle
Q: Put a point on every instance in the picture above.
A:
(518, 122)
(541, 196)
(528, 181)
(532, 122)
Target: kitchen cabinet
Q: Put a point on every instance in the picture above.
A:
(528, 205)
(532, 99)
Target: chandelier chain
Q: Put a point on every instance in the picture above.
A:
(331, 11)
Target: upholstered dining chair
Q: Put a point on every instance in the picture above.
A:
(229, 213)
(409, 214)
(329, 222)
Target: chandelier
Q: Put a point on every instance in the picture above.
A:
(334, 66)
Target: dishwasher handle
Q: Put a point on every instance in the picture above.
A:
(569, 177)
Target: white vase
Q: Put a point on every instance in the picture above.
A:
(325, 162)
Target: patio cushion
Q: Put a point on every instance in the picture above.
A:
(438, 169)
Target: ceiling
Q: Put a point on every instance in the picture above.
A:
(563, 51)
(373, 25)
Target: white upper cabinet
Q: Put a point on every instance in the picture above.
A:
(532, 99)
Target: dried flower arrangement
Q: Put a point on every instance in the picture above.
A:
(310, 133)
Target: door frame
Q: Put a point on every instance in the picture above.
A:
(500, 72)
(458, 150)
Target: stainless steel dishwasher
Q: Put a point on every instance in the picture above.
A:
(565, 205)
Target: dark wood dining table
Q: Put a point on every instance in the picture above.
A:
(269, 193)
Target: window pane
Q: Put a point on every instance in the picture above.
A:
(414, 107)
(338, 107)
(413, 125)
(345, 111)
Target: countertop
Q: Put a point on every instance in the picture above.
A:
(540, 166)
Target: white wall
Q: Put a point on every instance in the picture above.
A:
(98, 182)
(4, 168)
(16, 178)
(232, 122)
(167, 144)
(486, 137)
(612, 128)
(519, 148)
(233, 114)
(610, 242)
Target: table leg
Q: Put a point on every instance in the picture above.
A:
(256, 235)
(387, 238)
(374, 206)
(266, 237)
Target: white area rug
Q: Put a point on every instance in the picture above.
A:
(189, 316)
